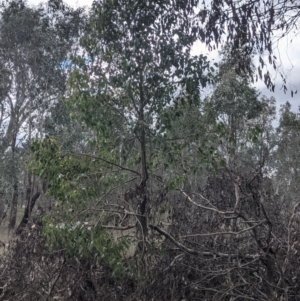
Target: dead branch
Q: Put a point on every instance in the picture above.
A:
(204, 207)
(202, 254)
(286, 260)
(223, 233)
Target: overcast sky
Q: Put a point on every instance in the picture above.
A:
(287, 52)
(74, 3)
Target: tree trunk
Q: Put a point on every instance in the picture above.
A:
(2, 210)
(14, 201)
(143, 204)
(14, 204)
(27, 212)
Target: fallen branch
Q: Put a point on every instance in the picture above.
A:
(202, 254)
(223, 233)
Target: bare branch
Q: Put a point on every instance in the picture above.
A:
(204, 207)
(286, 260)
(202, 254)
(223, 233)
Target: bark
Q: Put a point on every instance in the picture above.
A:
(2, 210)
(14, 205)
(14, 201)
(144, 172)
(30, 201)
(27, 212)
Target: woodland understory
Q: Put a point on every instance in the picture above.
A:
(142, 171)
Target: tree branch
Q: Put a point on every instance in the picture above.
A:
(202, 254)
(108, 162)
(204, 207)
(223, 233)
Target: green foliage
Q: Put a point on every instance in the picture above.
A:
(81, 241)
(134, 67)
(253, 133)
(286, 155)
(61, 170)
(135, 64)
(136, 90)
(68, 182)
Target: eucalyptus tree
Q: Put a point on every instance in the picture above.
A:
(286, 157)
(233, 105)
(240, 195)
(252, 25)
(136, 63)
(33, 44)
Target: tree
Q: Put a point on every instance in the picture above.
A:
(252, 26)
(33, 45)
(233, 105)
(137, 63)
(286, 158)
(167, 194)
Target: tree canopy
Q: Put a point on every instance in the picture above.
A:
(253, 26)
